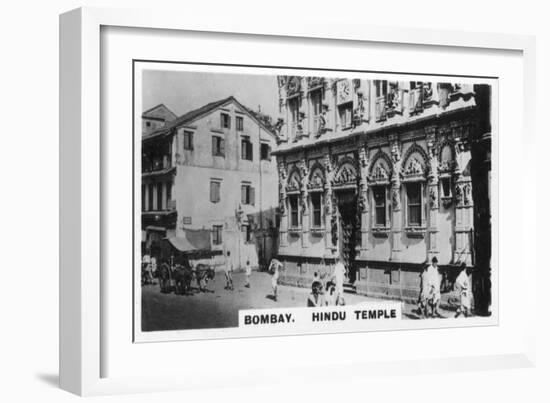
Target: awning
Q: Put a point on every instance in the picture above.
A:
(194, 241)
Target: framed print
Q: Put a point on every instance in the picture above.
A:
(238, 196)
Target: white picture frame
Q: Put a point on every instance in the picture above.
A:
(82, 344)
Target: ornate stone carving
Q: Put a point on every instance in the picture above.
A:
(313, 82)
(363, 165)
(434, 162)
(396, 198)
(458, 194)
(414, 167)
(359, 111)
(427, 91)
(323, 121)
(317, 180)
(393, 99)
(434, 199)
(396, 161)
(467, 190)
(304, 173)
(293, 86)
(334, 221)
(282, 187)
(346, 175)
(293, 182)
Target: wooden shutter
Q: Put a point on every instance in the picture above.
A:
(222, 146)
(252, 196)
(250, 155)
(212, 191)
(213, 145)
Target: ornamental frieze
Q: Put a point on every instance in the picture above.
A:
(315, 82)
(317, 180)
(380, 169)
(294, 182)
(346, 176)
(416, 161)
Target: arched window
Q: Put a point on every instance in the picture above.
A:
(379, 181)
(414, 180)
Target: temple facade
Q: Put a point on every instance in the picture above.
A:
(377, 173)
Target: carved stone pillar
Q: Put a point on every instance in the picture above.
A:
(283, 224)
(397, 214)
(331, 223)
(364, 202)
(304, 197)
(463, 207)
(433, 196)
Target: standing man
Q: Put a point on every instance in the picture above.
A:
(228, 270)
(274, 267)
(248, 272)
(433, 279)
(339, 277)
(462, 285)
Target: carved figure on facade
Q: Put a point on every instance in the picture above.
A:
(379, 173)
(446, 157)
(434, 162)
(427, 91)
(317, 180)
(293, 86)
(467, 194)
(359, 111)
(313, 82)
(363, 165)
(396, 198)
(304, 173)
(334, 221)
(278, 127)
(414, 167)
(434, 199)
(346, 175)
(393, 98)
(460, 157)
(323, 120)
(396, 161)
(458, 194)
(282, 187)
(293, 182)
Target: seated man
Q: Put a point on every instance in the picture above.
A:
(316, 298)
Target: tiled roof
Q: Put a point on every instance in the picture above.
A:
(195, 113)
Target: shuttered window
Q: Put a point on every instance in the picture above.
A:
(379, 194)
(215, 191)
(218, 146)
(246, 149)
(247, 194)
(414, 203)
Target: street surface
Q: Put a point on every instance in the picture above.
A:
(219, 308)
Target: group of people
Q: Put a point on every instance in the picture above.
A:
(148, 269)
(323, 293)
(332, 291)
(429, 298)
(228, 272)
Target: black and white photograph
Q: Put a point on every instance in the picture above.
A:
(272, 201)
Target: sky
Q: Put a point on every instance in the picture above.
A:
(182, 91)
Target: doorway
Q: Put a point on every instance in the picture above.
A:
(347, 211)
